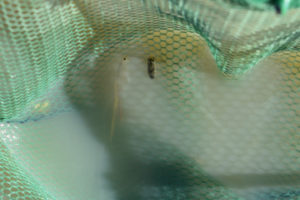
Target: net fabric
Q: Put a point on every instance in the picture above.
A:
(281, 6)
(238, 38)
(74, 73)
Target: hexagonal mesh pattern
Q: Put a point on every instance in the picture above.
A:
(130, 99)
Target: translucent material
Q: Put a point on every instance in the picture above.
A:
(130, 99)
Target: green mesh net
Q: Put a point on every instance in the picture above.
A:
(149, 99)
